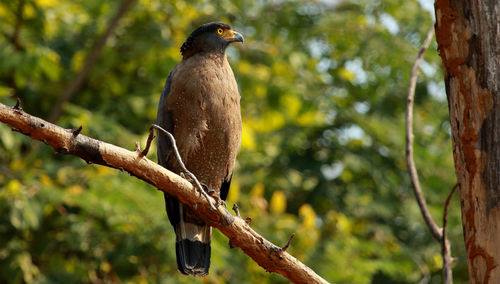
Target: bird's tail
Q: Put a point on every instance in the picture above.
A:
(192, 246)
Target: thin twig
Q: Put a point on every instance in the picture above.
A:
(438, 233)
(18, 104)
(288, 243)
(235, 209)
(434, 228)
(151, 136)
(181, 163)
(90, 61)
(445, 244)
(77, 131)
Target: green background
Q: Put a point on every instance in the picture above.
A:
(323, 87)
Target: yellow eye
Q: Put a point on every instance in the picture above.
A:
(219, 31)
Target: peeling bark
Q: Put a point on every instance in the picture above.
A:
(66, 141)
(467, 33)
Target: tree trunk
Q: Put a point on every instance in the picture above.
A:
(467, 33)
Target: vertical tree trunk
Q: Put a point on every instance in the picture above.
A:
(467, 34)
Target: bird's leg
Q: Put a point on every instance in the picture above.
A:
(214, 195)
(235, 208)
(179, 160)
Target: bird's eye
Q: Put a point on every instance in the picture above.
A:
(219, 31)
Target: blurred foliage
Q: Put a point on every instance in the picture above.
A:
(323, 87)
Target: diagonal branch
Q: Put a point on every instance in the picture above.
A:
(67, 141)
(90, 61)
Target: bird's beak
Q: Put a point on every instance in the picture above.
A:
(234, 36)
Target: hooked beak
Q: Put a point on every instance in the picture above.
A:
(234, 36)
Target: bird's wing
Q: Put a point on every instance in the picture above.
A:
(164, 151)
(224, 188)
(164, 120)
(193, 236)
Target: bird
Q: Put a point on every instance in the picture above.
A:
(200, 107)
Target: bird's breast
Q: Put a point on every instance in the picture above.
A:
(205, 103)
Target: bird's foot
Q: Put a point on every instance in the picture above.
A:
(208, 189)
(221, 202)
(214, 195)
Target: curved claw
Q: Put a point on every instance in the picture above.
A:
(220, 202)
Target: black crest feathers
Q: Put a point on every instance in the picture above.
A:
(210, 27)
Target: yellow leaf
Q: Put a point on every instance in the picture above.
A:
(245, 67)
(14, 187)
(29, 11)
(46, 180)
(392, 245)
(271, 120)
(437, 260)
(127, 228)
(281, 69)
(257, 190)
(343, 224)
(75, 189)
(133, 259)
(47, 3)
(261, 72)
(346, 176)
(16, 165)
(104, 171)
(346, 75)
(234, 192)
(278, 202)
(308, 216)
(292, 105)
(4, 91)
(77, 60)
(260, 91)
(4, 12)
(47, 209)
(37, 163)
(105, 266)
(247, 140)
(311, 118)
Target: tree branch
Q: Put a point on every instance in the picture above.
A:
(90, 61)
(437, 233)
(66, 141)
(435, 230)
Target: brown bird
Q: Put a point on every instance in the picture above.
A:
(200, 106)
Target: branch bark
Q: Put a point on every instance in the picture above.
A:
(90, 61)
(66, 141)
(437, 232)
(468, 33)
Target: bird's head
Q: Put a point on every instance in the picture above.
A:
(211, 37)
